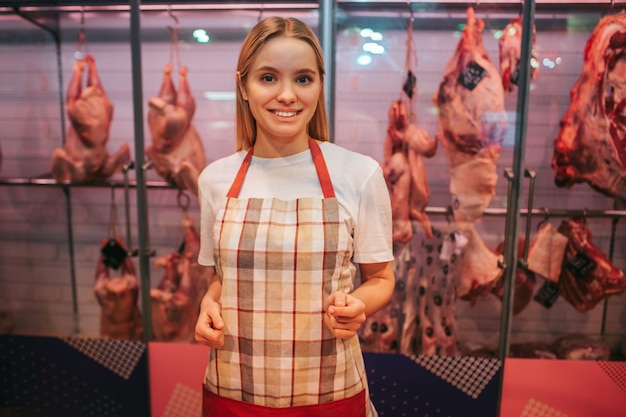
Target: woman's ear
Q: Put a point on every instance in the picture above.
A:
(241, 87)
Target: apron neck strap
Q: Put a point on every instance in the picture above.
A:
(318, 160)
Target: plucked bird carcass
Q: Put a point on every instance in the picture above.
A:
(405, 148)
(84, 156)
(175, 302)
(472, 123)
(176, 151)
(591, 146)
(120, 317)
(510, 50)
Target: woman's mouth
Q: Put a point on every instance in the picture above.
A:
(285, 113)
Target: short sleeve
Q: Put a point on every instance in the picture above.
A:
(373, 232)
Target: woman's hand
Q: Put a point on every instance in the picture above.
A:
(344, 314)
(210, 325)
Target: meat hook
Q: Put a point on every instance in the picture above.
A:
(546, 217)
(183, 200)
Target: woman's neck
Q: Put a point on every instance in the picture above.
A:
(265, 148)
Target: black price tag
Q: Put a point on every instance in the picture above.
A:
(547, 294)
(114, 254)
(409, 84)
(471, 75)
(581, 265)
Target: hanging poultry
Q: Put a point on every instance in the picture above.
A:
(176, 152)
(120, 317)
(176, 300)
(84, 157)
(405, 148)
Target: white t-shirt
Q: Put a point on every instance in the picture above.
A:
(360, 189)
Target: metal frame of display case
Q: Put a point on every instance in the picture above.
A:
(327, 17)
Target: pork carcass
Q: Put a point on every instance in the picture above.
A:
(472, 123)
(405, 148)
(478, 271)
(120, 317)
(587, 275)
(175, 302)
(84, 157)
(525, 280)
(176, 152)
(591, 146)
(510, 49)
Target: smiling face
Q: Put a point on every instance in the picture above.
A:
(282, 88)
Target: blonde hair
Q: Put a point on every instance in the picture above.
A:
(265, 30)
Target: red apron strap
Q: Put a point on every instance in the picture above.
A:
(320, 168)
(241, 174)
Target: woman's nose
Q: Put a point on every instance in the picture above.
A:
(287, 93)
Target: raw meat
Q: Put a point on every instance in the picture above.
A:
(120, 317)
(84, 157)
(587, 275)
(472, 123)
(531, 350)
(510, 48)
(176, 152)
(175, 302)
(524, 281)
(478, 271)
(591, 146)
(405, 148)
(577, 346)
(545, 253)
(398, 179)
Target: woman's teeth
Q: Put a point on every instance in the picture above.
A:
(285, 114)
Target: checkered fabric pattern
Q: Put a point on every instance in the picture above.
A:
(279, 261)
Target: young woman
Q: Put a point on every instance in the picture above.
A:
(285, 221)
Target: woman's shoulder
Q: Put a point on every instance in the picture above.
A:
(336, 154)
(223, 165)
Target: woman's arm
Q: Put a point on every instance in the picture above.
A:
(210, 325)
(346, 312)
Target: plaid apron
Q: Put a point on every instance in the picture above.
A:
(279, 261)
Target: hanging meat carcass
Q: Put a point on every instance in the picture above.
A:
(591, 146)
(84, 157)
(510, 49)
(478, 271)
(405, 148)
(472, 123)
(120, 317)
(176, 151)
(175, 302)
(587, 275)
(525, 280)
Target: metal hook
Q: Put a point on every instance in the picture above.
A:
(546, 217)
(171, 14)
(179, 199)
(261, 7)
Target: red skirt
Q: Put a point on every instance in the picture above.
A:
(214, 405)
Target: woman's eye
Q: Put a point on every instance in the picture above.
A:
(267, 78)
(303, 80)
